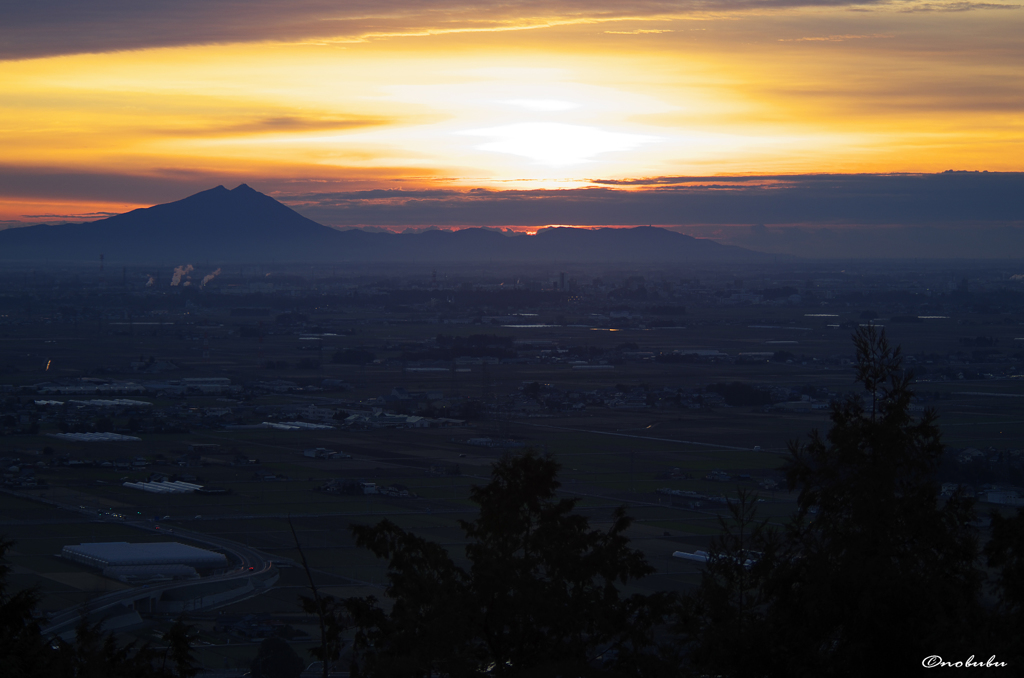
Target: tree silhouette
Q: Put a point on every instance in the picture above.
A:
(95, 654)
(22, 649)
(1005, 551)
(26, 653)
(428, 630)
(541, 596)
(882, 565)
(329, 611)
(723, 625)
(179, 649)
(873, 565)
(276, 659)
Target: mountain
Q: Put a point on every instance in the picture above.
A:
(244, 225)
(214, 225)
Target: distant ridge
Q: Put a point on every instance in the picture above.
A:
(214, 225)
(243, 225)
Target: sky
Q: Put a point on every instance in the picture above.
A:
(439, 113)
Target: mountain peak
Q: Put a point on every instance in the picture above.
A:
(244, 225)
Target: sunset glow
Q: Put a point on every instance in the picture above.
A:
(572, 99)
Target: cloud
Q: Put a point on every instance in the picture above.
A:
(72, 183)
(949, 215)
(278, 125)
(962, 198)
(956, 6)
(83, 216)
(836, 38)
(641, 31)
(53, 27)
(981, 241)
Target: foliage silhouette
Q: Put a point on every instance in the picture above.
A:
(330, 613)
(541, 596)
(95, 654)
(26, 653)
(22, 649)
(276, 659)
(1005, 553)
(179, 649)
(724, 622)
(872, 565)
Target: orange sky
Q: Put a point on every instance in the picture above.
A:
(458, 99)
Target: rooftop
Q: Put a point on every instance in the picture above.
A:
(122, 553)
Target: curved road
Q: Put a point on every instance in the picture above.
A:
(248, 562)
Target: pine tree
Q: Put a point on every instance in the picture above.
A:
(873, 567)
(876, 563)
(541, 596)
(723, 624)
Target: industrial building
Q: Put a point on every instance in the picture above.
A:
(165, 487)
(121, 554)
(102, 437)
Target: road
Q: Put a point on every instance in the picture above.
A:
(247, 562)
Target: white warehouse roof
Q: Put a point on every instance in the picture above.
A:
(122, 553)
(93, 437)
(164, 487)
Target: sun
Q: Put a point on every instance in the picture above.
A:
(556, 144)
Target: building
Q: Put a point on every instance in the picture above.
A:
(121, 554)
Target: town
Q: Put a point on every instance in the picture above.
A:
(250, 413)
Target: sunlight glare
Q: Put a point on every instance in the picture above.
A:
(545, 105)
(556, 144)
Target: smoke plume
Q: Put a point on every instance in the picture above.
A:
(179, 273)
(210, 277)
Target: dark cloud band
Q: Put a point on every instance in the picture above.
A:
(952, 197)
(53, 27)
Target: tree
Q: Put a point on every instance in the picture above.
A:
(543, 582)
(95, 654)
(883, 565)
(540, 598)
(179, 649)
(330, 613)
(428, 630)
(276, 659)
(874, 564)
(26, 653)
(1005, 551)
(22, 648)
(723, 625)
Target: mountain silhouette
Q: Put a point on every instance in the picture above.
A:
(244, 225)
